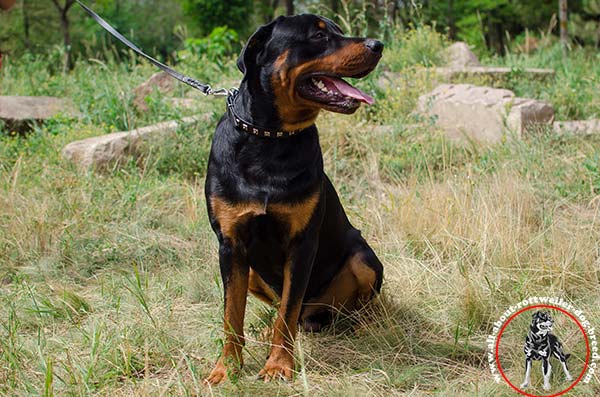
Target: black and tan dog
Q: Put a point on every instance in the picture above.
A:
(283, 234)
(541, 344)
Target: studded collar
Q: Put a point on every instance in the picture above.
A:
(252, 129)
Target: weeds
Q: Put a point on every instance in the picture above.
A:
(109, 282)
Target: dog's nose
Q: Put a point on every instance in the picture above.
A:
(374, 45)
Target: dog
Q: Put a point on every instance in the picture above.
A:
(283, 234)
(541, 344)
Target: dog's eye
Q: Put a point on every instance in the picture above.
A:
(320, 35)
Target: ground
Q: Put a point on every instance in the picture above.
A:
(109, 281)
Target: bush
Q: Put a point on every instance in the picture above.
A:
(421, 45)
(221, 43)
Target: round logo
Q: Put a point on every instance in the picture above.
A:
(543, 349)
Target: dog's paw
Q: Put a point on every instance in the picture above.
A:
(547, 386)
(279, 366)
(217, 375)
(569, 377)
(221, 373)
(524, 385)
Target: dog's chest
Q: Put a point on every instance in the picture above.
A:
(237, 220)
(534, 344)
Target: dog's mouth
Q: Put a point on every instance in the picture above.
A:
(331, 92)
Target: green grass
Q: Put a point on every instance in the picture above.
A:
(109, 281)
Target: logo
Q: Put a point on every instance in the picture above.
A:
(543, 346)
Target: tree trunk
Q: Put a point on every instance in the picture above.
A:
(452, 30)
(269, 10)
(289, 7)
(66, 32)
(562, 17)
(335, 6)
(26, 25)
(65, 27)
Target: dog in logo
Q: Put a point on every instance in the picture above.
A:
(541, 344)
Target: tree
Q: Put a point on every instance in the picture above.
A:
(562, 17)
(289, 7)
(205, 15)
(584, 24)
(65, 25)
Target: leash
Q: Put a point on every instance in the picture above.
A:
(206, 89)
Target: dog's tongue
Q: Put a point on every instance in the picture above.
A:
(348, 90)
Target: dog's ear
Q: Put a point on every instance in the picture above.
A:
(254, 47)
(333, 26)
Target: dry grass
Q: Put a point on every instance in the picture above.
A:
(109, 281)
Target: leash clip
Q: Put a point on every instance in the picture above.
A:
(218, 92)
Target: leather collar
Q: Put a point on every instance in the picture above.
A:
(253, 129)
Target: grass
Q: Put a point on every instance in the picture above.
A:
(109, 281)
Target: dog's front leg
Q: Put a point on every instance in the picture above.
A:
(527, 373)
(546, 370)
(234, 272)
(296, 275)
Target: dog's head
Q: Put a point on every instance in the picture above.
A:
(302, 60)
(541, 323)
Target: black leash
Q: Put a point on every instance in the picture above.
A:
(206, 89)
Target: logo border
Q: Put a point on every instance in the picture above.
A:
(585, 337)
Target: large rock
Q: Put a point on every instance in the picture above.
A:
(459, 55)
(577, 127)
(497, 75)
(101, 150)
(466, 112)
(19, 112)
(451, 74)
(160, 81)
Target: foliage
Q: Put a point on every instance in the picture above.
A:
(421, 46)
(220, 44)
(34, 26)
(585, 24)
(209, 14)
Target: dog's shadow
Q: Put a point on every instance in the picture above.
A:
(387, 337)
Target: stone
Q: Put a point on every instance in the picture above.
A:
(450, 74)
(99, 151)
(160, 81)
(20, 112)
(487, 115)
(459, 55)
(388, 80)
(577, 127)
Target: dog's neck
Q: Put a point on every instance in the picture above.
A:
(255, 104)
(256, 107)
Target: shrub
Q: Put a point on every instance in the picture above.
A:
(421, 45)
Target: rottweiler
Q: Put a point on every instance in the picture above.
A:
(542, 344)
(283, 234)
